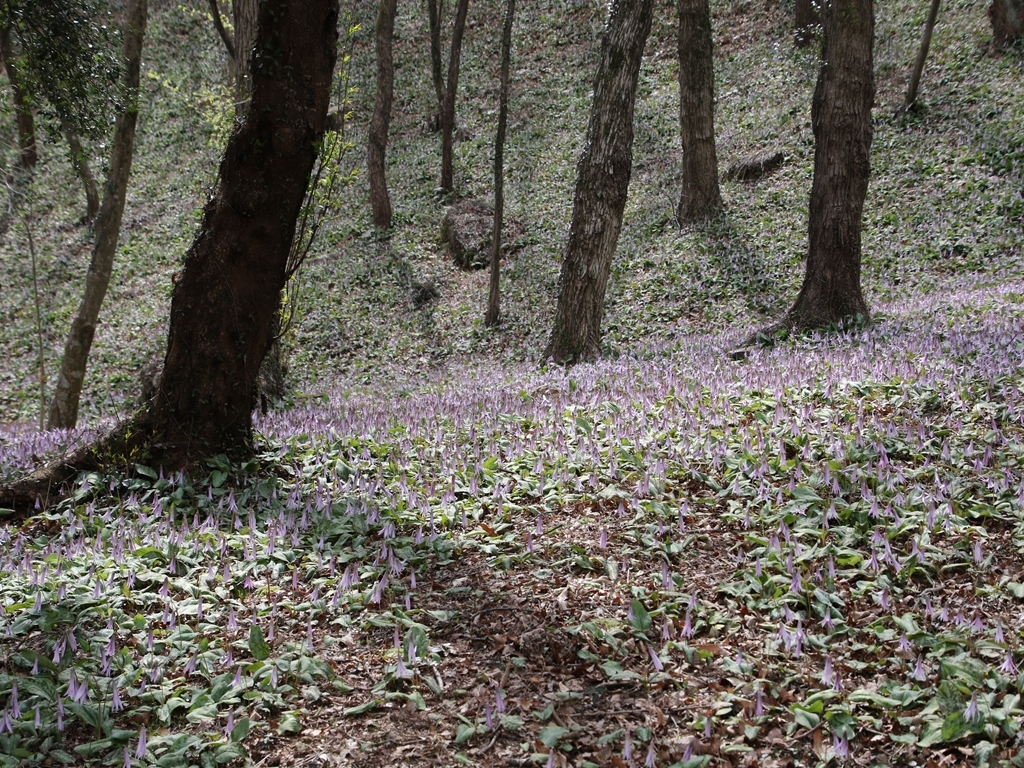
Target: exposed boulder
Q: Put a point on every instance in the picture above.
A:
(753, 167)
(466, 232)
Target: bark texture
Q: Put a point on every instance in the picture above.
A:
(1007, 17)
(841, 117)
(224, 303)
(602, 182)
(451, 88)
(218, 24)
(922, 55)
(377, 139)
(80, 162)
(22, 108)
(494, 289)
(700, 197)
(805, 22)
(64, 407)
(434, 10)
(246, 16)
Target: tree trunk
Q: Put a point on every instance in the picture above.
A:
(1007, 17)
(805, 22)
(64, 408)
(218, 24)
(246, 13)
(80, 162)
(22, 109)
(451, 88)
(841, 117)
(377, 139)
(434, 10)
(494, 294)
(224, 303)
(602, 182)
(700, 196)
(922, 55)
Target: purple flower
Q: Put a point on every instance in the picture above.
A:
(655, 660)
(627, 748)
(841, 746)
(651, 756)
(971, 713)
(828, 676)
(140, 750)
(499, 701)
(127, 758)
(919, 673)
(687, 630)
(1008, 665)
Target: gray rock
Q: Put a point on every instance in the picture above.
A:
(752, 167)
(466, 231)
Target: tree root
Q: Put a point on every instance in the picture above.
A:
(48, 485)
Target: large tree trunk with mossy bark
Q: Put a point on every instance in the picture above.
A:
(22, 109)
(377, 136)
(1007, 17)
(841, 118)
(64, 406)
(700, 198)
(602, 183)
(223, 305)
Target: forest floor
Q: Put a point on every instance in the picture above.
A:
(445, 554)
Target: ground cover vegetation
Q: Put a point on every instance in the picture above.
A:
(811, 553)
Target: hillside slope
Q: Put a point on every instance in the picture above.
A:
(944, 202)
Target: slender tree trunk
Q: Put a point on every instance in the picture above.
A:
(922, 55)
(64, 408)
(451, 88)
(377, 139)
(246, 13)
(1007, 17)
(494, 294)
(602, 182)
(218, 24)
(223, 305)
(805, 21)
(22, 109)
(80, 162)
(434, 10)
(841, 116)
(700, 196)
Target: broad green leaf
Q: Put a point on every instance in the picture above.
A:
(464, 733)
(806, 719)
(241, 729)
(257, 645)
(641, 620)
(362, 709)
(225, 753)
(550, 735)
(289, 724)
